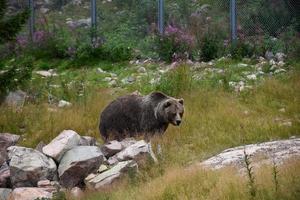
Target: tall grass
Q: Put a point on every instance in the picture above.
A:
(215, 119)
(201, 184)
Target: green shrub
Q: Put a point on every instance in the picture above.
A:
(16, 75)
(117, 53)
(273, 44)
(10, 25)
(46, 45)
(174, 44)
(87, 53)
(241, 50)
(209, 48)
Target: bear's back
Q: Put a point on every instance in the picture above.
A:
(121, 116)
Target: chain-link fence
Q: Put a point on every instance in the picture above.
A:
(131, 22)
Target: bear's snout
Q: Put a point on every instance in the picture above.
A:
(178, 122)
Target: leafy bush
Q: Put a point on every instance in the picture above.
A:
(241, 50)
(175, 44)
(273, 44)
(10, 26)
(47, 45)
(86, 52)
(209, 48)
(117, 53)
(16, 75)
(295, 51)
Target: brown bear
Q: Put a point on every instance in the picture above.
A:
(135, 115)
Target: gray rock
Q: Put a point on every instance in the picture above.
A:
(242, 65)
(77, 163)
(113, 83)
(44, 73)
(279, 151)
(65, 141)
(16, 98)
(113, 75)
(30, 193)
(28, 166)
(261, 59)
(269, 55)
(76, 2)
(102, 168)
(128, 141)
(174, 65)
(107, 79)
(278, 71)
(39, 147)
(100, 71)
(5, 176)
(4, 193)
(112, 160)
(142, 70)
(251, 77)
(281, 64)
(128, 80)
(87, 141)
(280, 57)
(76, 193)
(6, 140)
(272, 62)
(137, 151)
(44, 10)
(63, 104)
(79, 23)
(44, 183)
(106, 178)
(111, 148)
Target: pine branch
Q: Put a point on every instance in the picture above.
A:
(3, 7)
(11, 26)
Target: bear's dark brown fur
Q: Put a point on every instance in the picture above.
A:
(134, 115)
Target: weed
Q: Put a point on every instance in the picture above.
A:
(250, 174)
(176, 82)
(275, 173)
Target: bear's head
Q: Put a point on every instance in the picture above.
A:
(171, 111)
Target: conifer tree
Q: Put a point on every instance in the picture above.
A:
(10, 25)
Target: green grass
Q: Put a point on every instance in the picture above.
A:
(215, 119)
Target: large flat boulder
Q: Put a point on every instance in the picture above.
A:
(262, 153)
(6, 140)
(65, 141)
(16, 98)
(5, 176)
(28, 166)
(105, 179)
(77, 163)
(30, 193)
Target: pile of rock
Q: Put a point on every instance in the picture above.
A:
(69, 161)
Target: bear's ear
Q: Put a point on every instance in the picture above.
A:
(167, 104)
(181, 101)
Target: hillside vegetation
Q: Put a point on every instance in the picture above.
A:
(235, 93)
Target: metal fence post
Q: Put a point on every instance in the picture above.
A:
(93, 20)
(161, 16)
(233, 21)
(31, 19)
